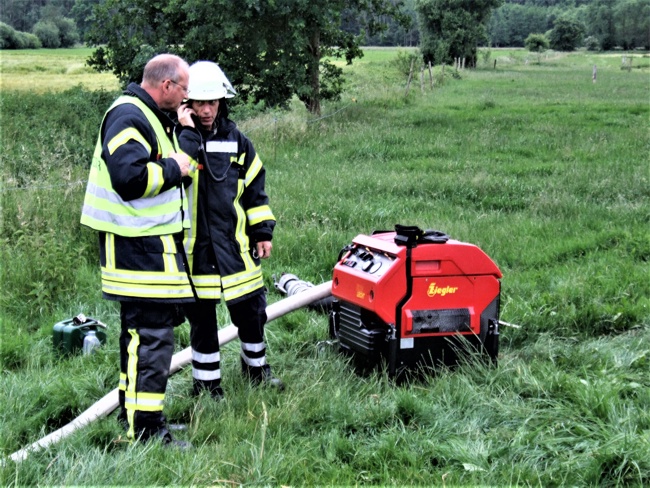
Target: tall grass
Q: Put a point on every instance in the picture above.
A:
(546, 171)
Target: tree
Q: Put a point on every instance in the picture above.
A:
(567, 34)
(270, 50)
(632, 20)
(82, 13)
(498, 27)
(398, 32)
(536, 43)
(600, 23)
(67, 31)
(48, 33)
(453, 28)
(56, 32)
(511, 23)
(22, 15)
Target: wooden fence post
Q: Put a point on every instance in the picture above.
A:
(422, 79)
(593, 75)
(408, 85)
(430, 76)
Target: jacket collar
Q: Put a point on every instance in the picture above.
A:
(135, 90)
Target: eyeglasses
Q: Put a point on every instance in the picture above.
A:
(184, 88)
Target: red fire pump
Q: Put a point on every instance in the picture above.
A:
(415, 300)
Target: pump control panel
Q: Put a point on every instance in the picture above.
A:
(369, 260)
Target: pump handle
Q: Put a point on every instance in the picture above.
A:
(411, 236)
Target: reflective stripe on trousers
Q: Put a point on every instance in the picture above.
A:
(145, 358)
(204, 340)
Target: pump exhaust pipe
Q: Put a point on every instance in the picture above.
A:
(109, 402)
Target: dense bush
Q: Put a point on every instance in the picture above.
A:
(405, 59)
(57, 32)
(566, 35)
(48, 33)
(592, 43)
(27, 40)
(536, 43)
(68, 34)
(10, 38)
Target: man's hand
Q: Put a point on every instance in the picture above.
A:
(264, 249)
(183, 161)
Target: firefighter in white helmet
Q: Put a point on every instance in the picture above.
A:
(231, 231)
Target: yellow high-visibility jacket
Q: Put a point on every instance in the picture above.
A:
(136, 200)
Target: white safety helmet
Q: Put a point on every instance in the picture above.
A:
(208, 82)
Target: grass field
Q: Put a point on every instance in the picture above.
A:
(545, 170)
(46, 70)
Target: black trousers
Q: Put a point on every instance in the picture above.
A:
(248, 315)
(146, 349)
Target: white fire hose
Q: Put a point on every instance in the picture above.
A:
(109, 402)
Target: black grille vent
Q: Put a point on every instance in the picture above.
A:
(359, 331)
(445, 320)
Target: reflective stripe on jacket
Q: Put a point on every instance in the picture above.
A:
(155, 212)
(147, 268)
(134, 200)
(229, 213)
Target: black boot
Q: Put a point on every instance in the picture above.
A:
(168, 441)
(261, 375)
(163, 435)
(153, 426)
(214, 387)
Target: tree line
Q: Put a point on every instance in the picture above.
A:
(31, 24)
(273, 51)
(604, 24)
(601, 24)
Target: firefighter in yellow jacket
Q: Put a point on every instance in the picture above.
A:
(232, 229)
(136, 201)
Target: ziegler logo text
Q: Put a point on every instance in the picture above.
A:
(442, 291)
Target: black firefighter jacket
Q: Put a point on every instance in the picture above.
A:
(229, 213)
